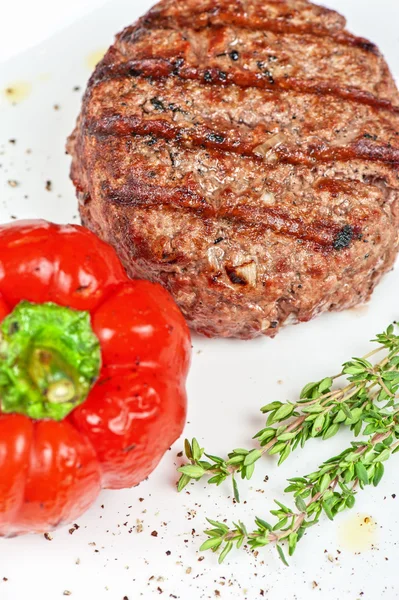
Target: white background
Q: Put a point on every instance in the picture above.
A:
(229, 380)
(25, 23)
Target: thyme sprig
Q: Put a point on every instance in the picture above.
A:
(366, 402)
(320, 412)
(329, 490)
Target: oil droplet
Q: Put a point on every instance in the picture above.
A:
(358, 534)
(17, 92)
(94, 58)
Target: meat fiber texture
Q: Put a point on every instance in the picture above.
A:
(244, 154)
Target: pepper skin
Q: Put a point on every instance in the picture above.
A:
(53, 467)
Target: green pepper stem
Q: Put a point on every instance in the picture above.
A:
(49, 360)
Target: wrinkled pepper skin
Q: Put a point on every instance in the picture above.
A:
(52, 471)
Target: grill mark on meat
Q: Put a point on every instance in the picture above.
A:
(217, 18)
(193, 137)
(223, 141)
(360, 150)
(324, 235)
(158, 69)
(298, 117)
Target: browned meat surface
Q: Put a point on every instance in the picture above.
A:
(243, 153)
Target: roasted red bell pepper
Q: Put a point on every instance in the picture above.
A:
(92, 374)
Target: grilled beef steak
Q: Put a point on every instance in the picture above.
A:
(243, 153)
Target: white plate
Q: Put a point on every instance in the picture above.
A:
(41, 19)
(229, 382)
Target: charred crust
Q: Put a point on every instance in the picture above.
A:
(368, 46)
(344, 238)
(133, 72)
(234, 276)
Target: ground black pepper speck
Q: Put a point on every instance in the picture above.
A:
(74, 528)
